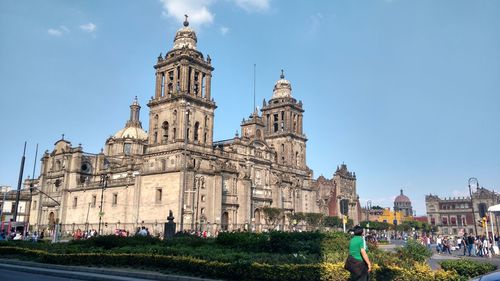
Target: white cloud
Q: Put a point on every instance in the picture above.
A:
(197, 10)
(224, 30)
(88, 27)
(460, 193)
(60, 31)
(315, 22)
(254, 5)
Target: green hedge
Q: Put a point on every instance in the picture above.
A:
(467, 268)
(230, 271)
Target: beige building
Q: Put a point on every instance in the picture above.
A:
(177, 166)
(454, 215)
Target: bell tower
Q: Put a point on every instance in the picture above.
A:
(182, 108)
(282, 116)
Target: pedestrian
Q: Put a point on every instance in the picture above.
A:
(470, 244)
(439, 244)
(464, 243)
(358, 263)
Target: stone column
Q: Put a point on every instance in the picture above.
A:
(158, 85)
(191, 80)
(207, 86)
(184, 78)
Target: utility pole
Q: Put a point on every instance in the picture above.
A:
(104, 184)
(19, 182)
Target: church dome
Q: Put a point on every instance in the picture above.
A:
(402, 198)
(131, 133)
(282, 88)
(185, 37)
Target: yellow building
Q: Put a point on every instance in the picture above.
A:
(391, 217)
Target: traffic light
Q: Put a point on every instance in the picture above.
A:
(344, 206)
(344, 219)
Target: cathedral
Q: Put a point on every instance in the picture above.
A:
(176, 166)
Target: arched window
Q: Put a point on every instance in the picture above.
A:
(165, 127)
(196, 128)
(155, 122)
(258, 134)
(175, 133)
(224, 221)
(175, 116)
(206, 121)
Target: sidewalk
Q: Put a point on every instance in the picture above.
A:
(91, 273)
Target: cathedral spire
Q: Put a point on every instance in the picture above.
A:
(134, 114)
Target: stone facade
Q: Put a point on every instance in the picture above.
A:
(177, 166)
(454, 215)
(341, 188)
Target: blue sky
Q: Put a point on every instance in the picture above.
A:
(406, 93)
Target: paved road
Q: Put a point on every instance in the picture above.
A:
(11, 269)
(6, 274)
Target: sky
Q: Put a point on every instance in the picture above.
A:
(405, 93)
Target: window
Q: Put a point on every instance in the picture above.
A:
(453, 221)
(158, 194)
(203, 198)
(445, 221)
(165, 126)
(196, 128)
(94, 199)
(202, 211)
(115, 199)
(34, 205)
(75, 202)
(127, 148)
(275, 123)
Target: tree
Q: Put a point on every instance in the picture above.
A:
(272, 215)
(314, 219)
(375, 225)
(332, 222)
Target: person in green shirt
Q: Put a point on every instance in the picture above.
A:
(358, 262)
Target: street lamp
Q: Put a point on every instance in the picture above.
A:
(368, 208)
(104, 184)
(472, 181)
(186, 120)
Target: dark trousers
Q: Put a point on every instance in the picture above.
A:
(358, 269)
(363, 277)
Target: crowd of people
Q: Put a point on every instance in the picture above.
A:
(468, 244)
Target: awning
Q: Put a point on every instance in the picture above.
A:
(495, 208)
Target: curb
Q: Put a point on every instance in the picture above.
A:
(90, 273)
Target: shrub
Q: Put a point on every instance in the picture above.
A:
(467, 268)
(413, 252)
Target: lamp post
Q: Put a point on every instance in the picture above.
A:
(104, 184)
(186, 120)
(368, 208)
(472, 181)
